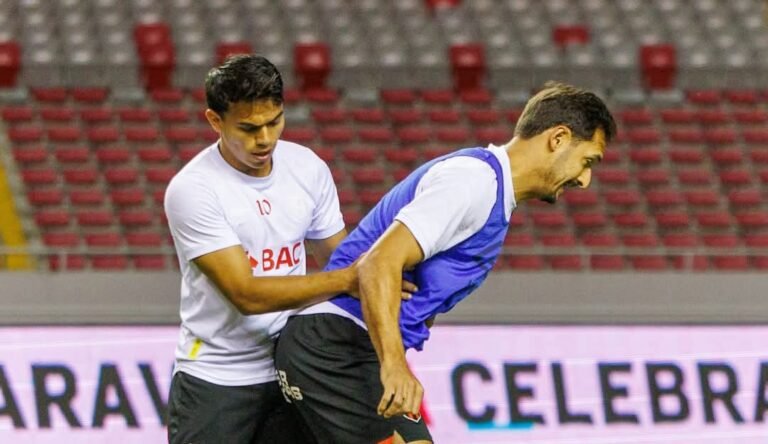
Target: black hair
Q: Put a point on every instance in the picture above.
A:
(561, 104)
(242, 78)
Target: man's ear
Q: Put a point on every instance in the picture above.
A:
(559, 137)
(214, 119)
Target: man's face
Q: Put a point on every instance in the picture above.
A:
(572, 165)
(249, 132)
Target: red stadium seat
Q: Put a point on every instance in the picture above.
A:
(361, 155)
(113, 154)
(622, 197)
(483, 116)
(527, 262)
(94, 218)
(379, 134)
(630, 220)
(519, 240)
(683, 155)
(672, 220)
(589, 220)
(127, 197)
(649, 263)
(403, 155)
(677, 116)
(325, 116)
(712, 116)
(159, 175)
(181, 134)
(450, 116)
(10, 63)
(639, 240)
(173, 115)
(50, 95)
(703, 96)
(226, 49)
(720, 240)
(23, 134)
(143, 239)
(398, 96)
(702, 198)
(141, 133)
(27, 155)
(680, 240)
(368, 176)
(413, 135)
(72, 154)
(106, 239)
(658, 65)
(566, 262)
(135, 218)
(312, 64)
(636, 116)
(80, 176)
(42, 197)
(135, 115)
(149, 262)
(337, 135)
(87, 197)
(93, 116)
(90, 94)
(301, 135)
(155, 154)
(52, 218)
(742, 96)
(663, 198)
(39, 176)
(61, 239)
(714, 219)
(368, 115)
(467, 65)
(726, 156)
(103, 134)
(686, 135)
(566, 35)
(57, 114)
(17, 113)
(121, 175)
(109, 262)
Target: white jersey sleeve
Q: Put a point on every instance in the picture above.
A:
(453, 200)
(196, 219)
(327, 219)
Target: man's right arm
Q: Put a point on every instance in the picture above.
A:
(230, 271)
(203, 236)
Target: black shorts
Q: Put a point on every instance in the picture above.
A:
(328, 368)
(200, 412)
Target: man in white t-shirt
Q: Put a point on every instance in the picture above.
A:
(240, 214)
(342, 362)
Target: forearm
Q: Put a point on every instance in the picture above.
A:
(265, 294)
(380, 284)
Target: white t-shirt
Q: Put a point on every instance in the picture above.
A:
(453, 200)
(211, 206)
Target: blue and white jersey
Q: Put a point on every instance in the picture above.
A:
(459, 251)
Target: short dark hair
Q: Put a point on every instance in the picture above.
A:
(244, 77)
(561, 104)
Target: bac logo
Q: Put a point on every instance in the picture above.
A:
(275, 259)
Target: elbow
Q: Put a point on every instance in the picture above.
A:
(244, 303)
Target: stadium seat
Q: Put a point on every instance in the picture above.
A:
(658, 64)
(312, 65)
(10, 63)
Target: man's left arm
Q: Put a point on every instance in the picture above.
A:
(380, 272)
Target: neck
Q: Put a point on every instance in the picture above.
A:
(524, 178)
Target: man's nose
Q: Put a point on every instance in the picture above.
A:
(584, 178)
